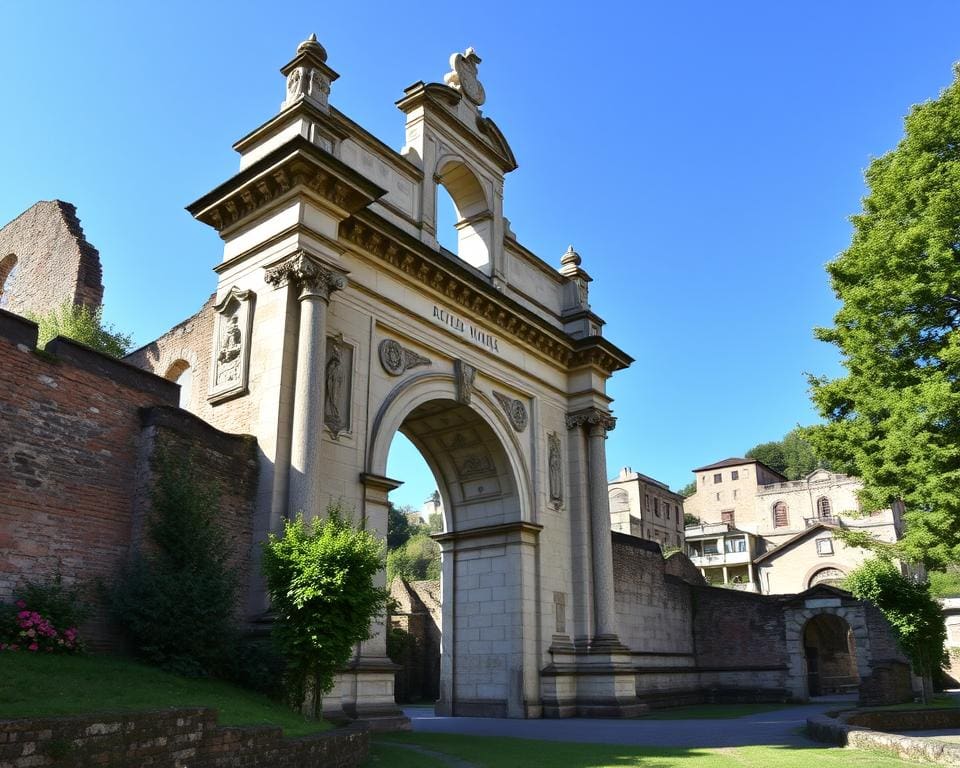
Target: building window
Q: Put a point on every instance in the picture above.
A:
(710, 547)
(734, 493)
(8, 266)
(824, 547)
(735, 475)
(727, 516)
(666, 509)
(656, 507)
(739, 544)
(823, 507)
(718, 478)
(780, 517)
(718, 496)
(646, 503)
(181, 373)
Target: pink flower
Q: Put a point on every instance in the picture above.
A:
(23, 615)
(33, 647)
(14, 647)
(21, 604)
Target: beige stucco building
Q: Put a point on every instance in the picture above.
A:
(644, 507)
(788, 525)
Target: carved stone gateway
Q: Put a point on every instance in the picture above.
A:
(363, 329)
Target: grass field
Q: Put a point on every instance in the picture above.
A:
(33, 685)
(446, 751)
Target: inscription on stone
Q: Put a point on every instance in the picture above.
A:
(466, 329)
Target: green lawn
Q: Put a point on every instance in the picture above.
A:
(33, 685)
(713, 711)
(433, 750)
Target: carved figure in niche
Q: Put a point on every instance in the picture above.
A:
(556, 469)
(231, 345)
(334, 389)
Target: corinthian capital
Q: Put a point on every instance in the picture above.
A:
(591, 417)
(312, 277)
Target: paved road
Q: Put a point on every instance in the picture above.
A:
(780, 727)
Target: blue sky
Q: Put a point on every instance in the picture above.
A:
(702, 157)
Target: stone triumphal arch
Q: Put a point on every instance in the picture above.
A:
(339, 321)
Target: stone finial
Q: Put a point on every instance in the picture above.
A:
(463, 76)
(312, 46)
(308, 76)
(570, 258)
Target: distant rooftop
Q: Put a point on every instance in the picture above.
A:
(735, 462)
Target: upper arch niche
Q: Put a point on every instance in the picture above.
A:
(8, 265)
(473, 216)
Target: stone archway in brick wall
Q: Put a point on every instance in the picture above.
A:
(796, 619)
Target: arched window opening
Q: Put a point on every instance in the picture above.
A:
(823, 507)
(781, 517)
(8, 268)
(459, 192)
(181, 373)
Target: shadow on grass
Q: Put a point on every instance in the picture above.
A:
(423, 750)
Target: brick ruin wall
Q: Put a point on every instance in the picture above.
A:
(692, 642)
(45, 261)
(79, 432)
(171, 737)
(190, 344)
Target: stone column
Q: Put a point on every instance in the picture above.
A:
(315, 283)
(598, 422)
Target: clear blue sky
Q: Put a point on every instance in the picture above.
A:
(702, 157)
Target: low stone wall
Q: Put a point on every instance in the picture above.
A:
(857, 729)
(171, 737)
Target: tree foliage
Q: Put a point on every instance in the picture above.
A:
(320, 576)
(416, 560)
(894, 418)
(793, 456)
(689, 489)
(80, 323)
(176, 600)
(399, 528)
(912, 612)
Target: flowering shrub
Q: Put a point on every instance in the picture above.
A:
(43, 618)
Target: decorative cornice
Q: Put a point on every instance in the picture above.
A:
(522, 527)
(298, 166)
(442, 278)
(591, 417)
(310, 275)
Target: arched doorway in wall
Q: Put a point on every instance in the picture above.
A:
(830, 650)
(487, 554)
(181, 372)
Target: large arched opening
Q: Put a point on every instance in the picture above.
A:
(829, 647)
(487, 656)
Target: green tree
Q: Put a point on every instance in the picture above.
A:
(894, 418)
(689, 489)
(320, 580)
(915, 616)
(176, 601)
(398, 526)
(416, 560)
(80, 323)
(793, 456)
(689, 519)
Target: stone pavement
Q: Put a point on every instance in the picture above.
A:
(779, 727)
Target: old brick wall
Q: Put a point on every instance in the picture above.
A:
(75, 428)
(169, 738)
(190, 344)
(52, 261)
(653, 611)
(737, 629)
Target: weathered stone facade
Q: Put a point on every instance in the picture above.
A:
(644, 507)
(46, 261)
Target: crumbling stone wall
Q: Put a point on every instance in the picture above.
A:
(45, 261)
(78, 435)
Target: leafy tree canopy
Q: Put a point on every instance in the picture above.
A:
(416, 560)
(914, 615)
(80, 323)
(689, 489)
(793, 456)
(894, 418)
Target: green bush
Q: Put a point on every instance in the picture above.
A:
(176, 600)
(320, 579)
(43, 617)
(417, 559)
(80, 323)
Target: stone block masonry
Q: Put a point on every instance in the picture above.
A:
(79, 432)
(170, 738)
